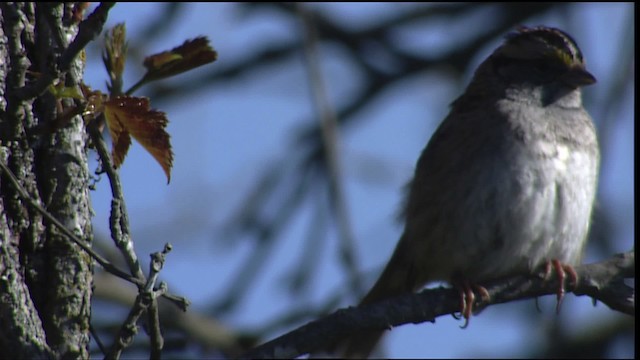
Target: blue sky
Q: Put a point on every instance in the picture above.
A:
(223, 136)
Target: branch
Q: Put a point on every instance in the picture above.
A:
(179, 301)
(200, 328)
(108, 266)
(120, 233)
(603, 281)
(145, 301)
(88, 30)
(119, 219)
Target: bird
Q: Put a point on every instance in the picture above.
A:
(507, 182)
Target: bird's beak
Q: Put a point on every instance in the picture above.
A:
(577, 77)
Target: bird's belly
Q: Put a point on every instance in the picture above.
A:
(538, 212)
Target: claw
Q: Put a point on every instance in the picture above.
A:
(562, 271)
(537, 305)
(468, 297)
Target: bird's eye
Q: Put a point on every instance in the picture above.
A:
(541, 66)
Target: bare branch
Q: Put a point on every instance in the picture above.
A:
(108, 266)
(201, 329)
(602, 281)
(119, 220)
(88, 30)
(145, 301)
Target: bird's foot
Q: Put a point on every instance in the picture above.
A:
(467, 297)
(563, 272)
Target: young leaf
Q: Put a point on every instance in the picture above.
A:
(115, 56)
(132, 116)
(192, 54)
(60, 91)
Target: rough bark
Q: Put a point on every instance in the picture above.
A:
(45, 280)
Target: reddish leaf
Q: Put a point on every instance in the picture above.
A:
(190, 55)
(132, 116)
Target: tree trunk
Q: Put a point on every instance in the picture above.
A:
(45, 280)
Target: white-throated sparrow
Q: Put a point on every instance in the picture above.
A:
(507, 182)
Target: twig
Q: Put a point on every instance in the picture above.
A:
(129, 329)
(153, 318)
(179, 301)
(157, 262)
(201, 328)
(108, 266)
(87, 31)
(120, 233)
(96, 338)
(145, 301)
(601, 281)
(118, 220)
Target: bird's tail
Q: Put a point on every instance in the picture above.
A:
(396, 279)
